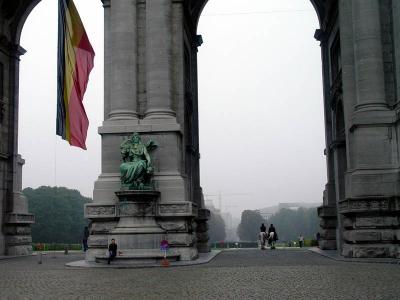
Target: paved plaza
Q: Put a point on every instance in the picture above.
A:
(235, 274)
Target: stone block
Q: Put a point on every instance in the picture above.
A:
(137, 209)
(127, 242)
(369, 235)
(17, 230)
(202, 227)
(328, 223)
(203, 214)
(186, 253)
(14, 218)
(327, 244)
(388, 235)
(348, 222)
(17, 250)
(96, 211)
(93, 252)
(397, 234)
(98, 241)
(328, 234)
(373, 251)
(203, 247)
(376, 221)
(173, 209)
(181, 239)
(202, 236)
(12, 240)
(327, 211)
(368, 205)
(173, 225)
(102, 227)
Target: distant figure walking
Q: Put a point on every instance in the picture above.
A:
(301, 240)
(263, 236)
(85, 239)
(272, 236)
(112, 250)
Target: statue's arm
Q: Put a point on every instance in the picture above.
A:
(147, 156)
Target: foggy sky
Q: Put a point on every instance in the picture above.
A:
(260, 103)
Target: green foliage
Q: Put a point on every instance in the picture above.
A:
(216, 225)
(58, 213)
(249, 226)
(291, 223)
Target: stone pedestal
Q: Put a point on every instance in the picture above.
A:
(17, 222)
(328, 226)
(137, 227)
(138, 222)
(202, 231)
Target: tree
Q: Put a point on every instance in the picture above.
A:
(291, 223)
(216, 227)
(249, 226)
(58, 214)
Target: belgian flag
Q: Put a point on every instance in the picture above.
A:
(75, 62)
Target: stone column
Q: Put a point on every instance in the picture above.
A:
(368, 55)
(396, 37)
(159, 60)
(107, 57)
(123, 77)
(327, 212)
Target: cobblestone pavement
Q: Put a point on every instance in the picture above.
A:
(240, 274)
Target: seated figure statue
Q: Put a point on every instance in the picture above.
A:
(136, 168)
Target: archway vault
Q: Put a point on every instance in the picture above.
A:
(322, 8)
(360, 46)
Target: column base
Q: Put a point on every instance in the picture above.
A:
(371, 227)
(123, 115)
(163, 116)
(328, 224)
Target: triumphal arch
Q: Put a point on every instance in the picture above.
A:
(150, 88)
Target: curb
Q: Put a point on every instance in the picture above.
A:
(204, 258)
(337, 257)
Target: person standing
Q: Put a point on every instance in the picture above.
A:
(301, 241)
(85, 239)
(112, 250)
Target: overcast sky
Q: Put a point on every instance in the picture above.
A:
(260, 103)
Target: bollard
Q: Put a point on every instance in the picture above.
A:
(40, 258)
(66, 250)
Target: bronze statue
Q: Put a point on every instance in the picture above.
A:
(136, 168)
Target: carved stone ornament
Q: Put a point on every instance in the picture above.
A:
(100, 211)
(136, 209)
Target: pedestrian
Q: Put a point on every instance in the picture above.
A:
(85, 239)
(263, 236)
(272, 236)
(318, 237)
(301, 240)
(112, 250)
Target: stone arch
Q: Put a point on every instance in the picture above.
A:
(195, 7)
(15, 236)
(371, 204)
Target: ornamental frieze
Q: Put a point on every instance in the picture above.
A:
(99, 211)
(176, 209)
(136, 209)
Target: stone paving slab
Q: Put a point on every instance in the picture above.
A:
(203, 259)
(333, 254)
(251, 274)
